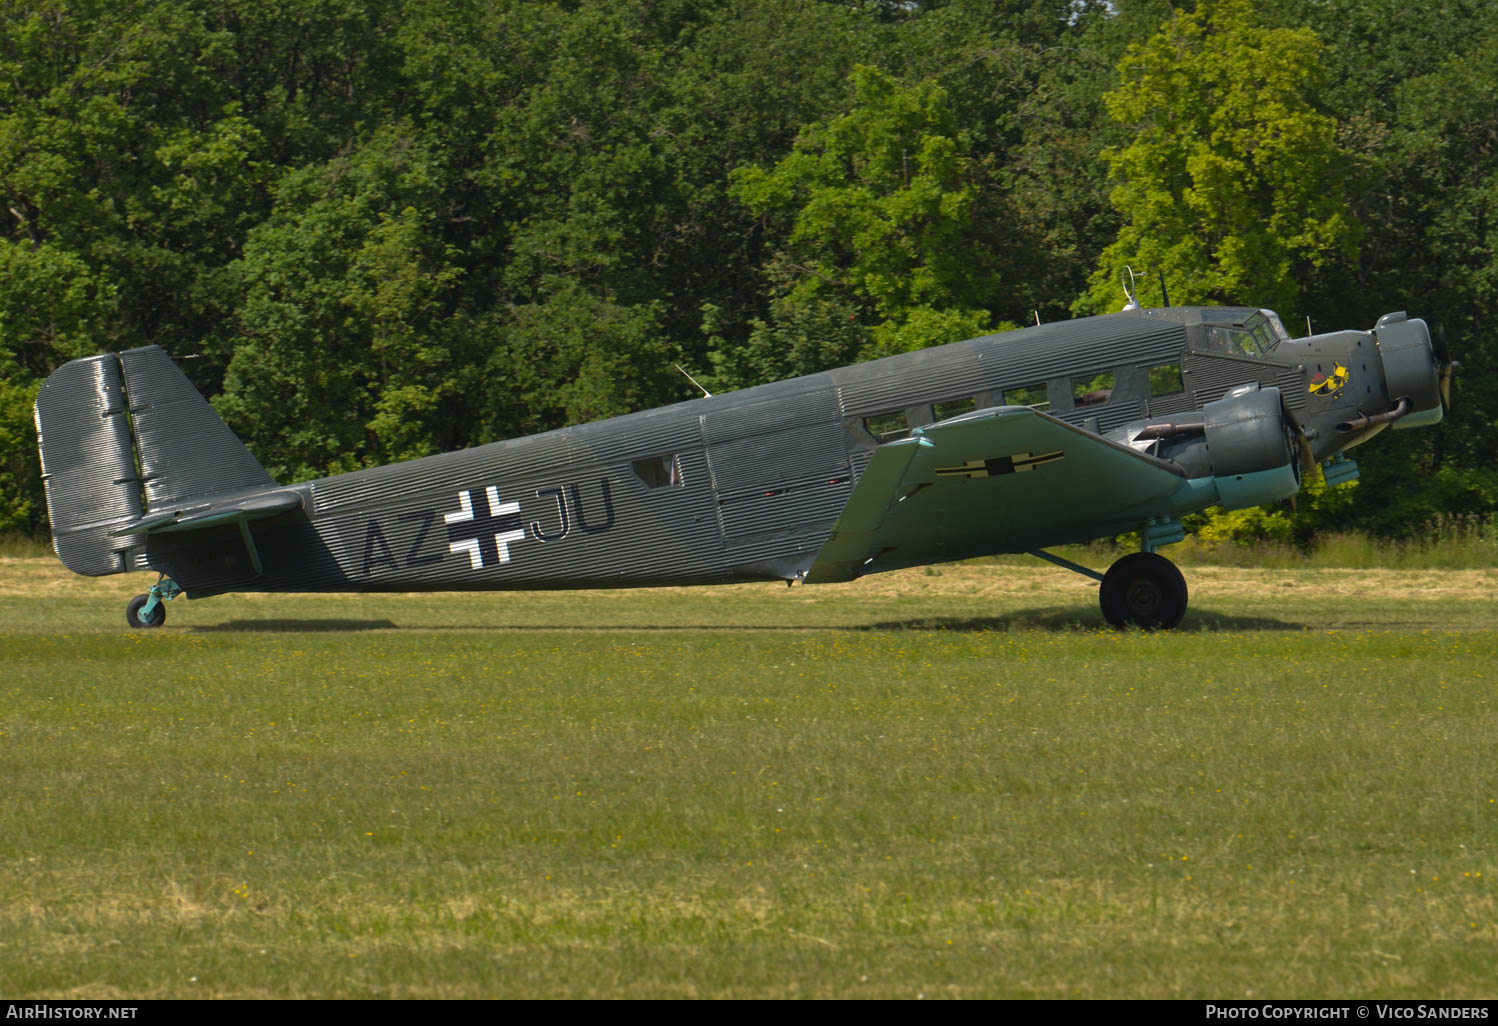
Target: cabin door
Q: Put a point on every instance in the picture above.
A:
(779, 466)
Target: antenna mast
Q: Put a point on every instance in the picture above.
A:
(705, 393)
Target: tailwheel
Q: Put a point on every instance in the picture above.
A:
(155, 618)
(149, 610)
(1143, 590)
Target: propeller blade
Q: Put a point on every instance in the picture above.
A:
(1448, 365)
(1307, 455)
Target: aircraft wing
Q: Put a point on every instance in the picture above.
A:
(1009, 472)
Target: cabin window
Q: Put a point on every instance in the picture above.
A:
(1033, 396)
(659, 472)
(1093, 391)
(888, 427)
(1165, 379)
(954, 408)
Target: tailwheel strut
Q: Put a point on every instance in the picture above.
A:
(148, 610)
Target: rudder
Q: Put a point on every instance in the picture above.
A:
(113, 428)
(88, 465)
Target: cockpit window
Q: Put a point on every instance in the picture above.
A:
(1274, 327)
(1224, 339)
(1246, 333)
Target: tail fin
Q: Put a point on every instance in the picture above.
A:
(112, 427)
(187, 454)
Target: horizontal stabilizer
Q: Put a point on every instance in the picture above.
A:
(254, 507)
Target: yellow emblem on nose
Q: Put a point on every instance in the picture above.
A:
(1329, 386)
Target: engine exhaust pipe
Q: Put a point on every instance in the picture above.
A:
(1387, 417)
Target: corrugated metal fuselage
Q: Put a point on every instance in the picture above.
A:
(740, 486)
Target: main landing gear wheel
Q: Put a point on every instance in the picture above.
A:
(1143, 590)
(133, 617)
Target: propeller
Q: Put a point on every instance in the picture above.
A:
(1307, 454)
(1300, 438)
(1446, 363)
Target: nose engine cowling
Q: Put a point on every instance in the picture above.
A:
(1411, 369)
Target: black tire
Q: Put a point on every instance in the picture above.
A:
(132, 613)
(1143, 590)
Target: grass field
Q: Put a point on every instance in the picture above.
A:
(947, 783)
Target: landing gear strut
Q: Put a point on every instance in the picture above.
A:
(148, 610)
(1139, 590)
(1143, 589)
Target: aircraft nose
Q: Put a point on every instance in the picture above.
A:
(1412, 368)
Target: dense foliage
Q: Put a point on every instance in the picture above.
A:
(376, 229)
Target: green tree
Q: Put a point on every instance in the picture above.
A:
(884, 225)
(53, 306)
(1439, 258)
(1233, 183)
(1026, 80)
(22, 504)
(573, 356)
(340, 359)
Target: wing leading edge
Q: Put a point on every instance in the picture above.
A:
(1006, 479)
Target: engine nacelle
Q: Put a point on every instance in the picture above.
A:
(1248, 448)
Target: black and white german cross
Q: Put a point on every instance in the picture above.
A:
(483, 527)
(1015, 464)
